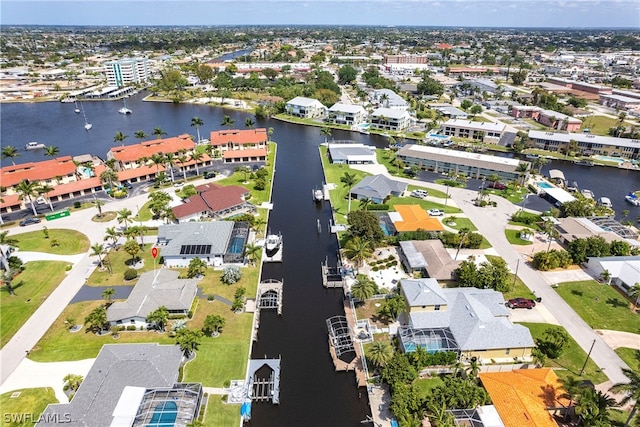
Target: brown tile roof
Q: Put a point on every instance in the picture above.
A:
(37, 171)
(131, 153)
(212, 198)
(415, 218)
(440, 265)
(238, 136)
(235, 154)
(522, 397)
(191, 206)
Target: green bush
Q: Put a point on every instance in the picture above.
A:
(131, 328)
(130, 274)
(378, 207)
(77, 205)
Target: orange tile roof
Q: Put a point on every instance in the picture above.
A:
(235, 154)
(127, 174)
(70, 187)
(238, 136)
(522, 397)
(211, 197)
(131, 153)
(415, 218)
(10, 200)
(37, 171)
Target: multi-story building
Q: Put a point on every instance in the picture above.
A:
(306, 108)
(387, 98)
(588, 144)
(390, 119)
(620, 102)
(347, 114)
(124, 72)
(406, 59)
(478, 131)
(581, 86)
(238, 145)
(550, 118)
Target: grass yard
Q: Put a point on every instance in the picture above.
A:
(40, 279)
(520, 290)
(572, 358)
(432, 193)
(425, 385)
(29, 405)
(118, 259)
(212, 283)
(70, 242)
(220, 414)
(601, 306)
(599, 125)
(459, 223)
(59, 345)
(513, 236)
(630, 356)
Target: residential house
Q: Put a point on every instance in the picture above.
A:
(408, 218)
(213, 201)
(390, 119)
(428, 258)
(624, 270)
(549, 118)
(526, 397)
(386, 98)
(347, 114)
(352, 154)
(306, 108)
(154, 290)
(472, 322)
(235, 145)
(477, 131)
(214, 242)
(449, 111)
(126, 386)
(377, 188)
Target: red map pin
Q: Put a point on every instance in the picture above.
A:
(154, 252)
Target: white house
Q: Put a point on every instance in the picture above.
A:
(390, 119)
(624, 270)
(347, 114)
(351, 154)
(307, 108)
(387, 98)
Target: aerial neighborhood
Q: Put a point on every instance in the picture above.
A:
(199, 224)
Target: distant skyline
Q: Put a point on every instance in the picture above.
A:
(462, 13)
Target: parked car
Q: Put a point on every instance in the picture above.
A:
(421, 194)
(435, 212)
(209, 175)
(521, 303)
(497, 185)
(28, 221)
(128, 185)
(178, 184)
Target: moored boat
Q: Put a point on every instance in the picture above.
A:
(587, 193)
(318, 195)
(33, 145)
(583, 162)
(633, 199)
(273, 243)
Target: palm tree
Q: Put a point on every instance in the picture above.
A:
(27, 191)
(43, 190)
(196, 156)
(326, 131)
(120, 137)
(169, 159)
(249, 123)
(99, 204)
(634, 293)
(51, 151)
(605, 275)
(365, 202)
(98, 249)
(108, 294)
(358, 250)
(631, 390)
(182, 158)
(213, 324)
(522, 169)
(157, 131)
(159, 317)
(348, 180)
(72, 382)
(124, 215)
(197, 122)
(380, 353)
(252, 252)
(363, 289)
(10, 152)
(188, 340)
(140, 134)
(157, 159)
(114, 235)
(463, 235)
(269, 133)
(227, 121)
(592, 406)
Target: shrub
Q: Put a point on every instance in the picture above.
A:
(231, 274)
(130, 274)
(190, 314)
(260, 184)
(77, 205)
(131, 328)
(210, 298)
(378, 207)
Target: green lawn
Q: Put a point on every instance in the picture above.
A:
(513, 236)
(39, 279)
(599, 125)
(30, 404)
(118, 261)
(631, 357)
(572, 358)
(601, 306)
(459, 223)
(69, 242)
(520, 290)
(220, 414)
(432, 193)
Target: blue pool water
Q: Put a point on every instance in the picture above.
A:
(385, 228)
(437, 136)
(236, 244)
(364, 126)
(86, 171)
(544, 185)
(164, 415)
(431, 347)
(609, 158)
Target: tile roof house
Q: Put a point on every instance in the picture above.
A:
(429, 257)
(307, 108)
(214, 201)
(128, 156)
(413, 218)
(377, 188)
(237, 145)
(526, 397)
(117, 384)
(154, 290)
(473, 322)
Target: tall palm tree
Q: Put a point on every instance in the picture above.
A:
(522, 170)
(358, 250)
(631, 390)
(10, 152)
(157, 131)
(380, 353)
(182, 159)
(124, 215)
(120, 137)
(42, 190)
(51, 151)
(227, 121)
(252, 252)
(326, 132)
(170, 160)
(348, 180)
(592, 406)
(269, 133)
(463, 235)
(140, 134)
(249, 123)
(196, 156)
(98, 249)
(365, 202)
(157, 159)
(113, 234)
(634, 293)
(197, 122)
(27, 190)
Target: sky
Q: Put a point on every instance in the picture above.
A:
(458, 13)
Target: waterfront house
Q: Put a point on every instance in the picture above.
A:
(390, 119)
(154, 290)
(214, 242)
(408, 218)
(352, 154)
(346, 114)
(624, 270)
(213, 201)
(477, 131)
(428, 257)
(236, 145)
(469, 321)
(377, 188)
(306, 108)
(126, 386)
(386, 98)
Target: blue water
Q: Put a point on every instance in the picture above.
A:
(609, 158)
(385, 228)
(236, 244)
(165, 415)
(544, 185)
(431, 347)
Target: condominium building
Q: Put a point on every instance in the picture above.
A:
(588, 144)
(479, 131)
(124, 72)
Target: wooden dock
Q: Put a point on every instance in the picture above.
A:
(356, 364)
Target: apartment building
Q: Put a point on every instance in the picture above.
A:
(124, 72)
(588, 144)
(478, 131)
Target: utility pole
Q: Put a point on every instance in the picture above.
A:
(515, 276)
(587, 359)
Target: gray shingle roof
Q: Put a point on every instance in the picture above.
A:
(378, 187)
(117, 366)
(148, 295)
(214, 233)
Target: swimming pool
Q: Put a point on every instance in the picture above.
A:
(86, 171)
(236, 244)
(544, 185)
(364, 126)
(164, 415)
(609, 159)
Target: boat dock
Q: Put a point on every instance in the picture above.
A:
(331, 277)
(341, 342)
(276, 257)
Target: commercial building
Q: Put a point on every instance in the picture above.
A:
(124, 72)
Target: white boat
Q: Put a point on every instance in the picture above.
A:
(125, 110)
(87, 125)
(273, 243)
(633, 199)
(587, 193)
(77, 110)
(604, 201)
(318, 195)
(34, 145)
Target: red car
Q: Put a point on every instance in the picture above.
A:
(497, 185)
(521, 303)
